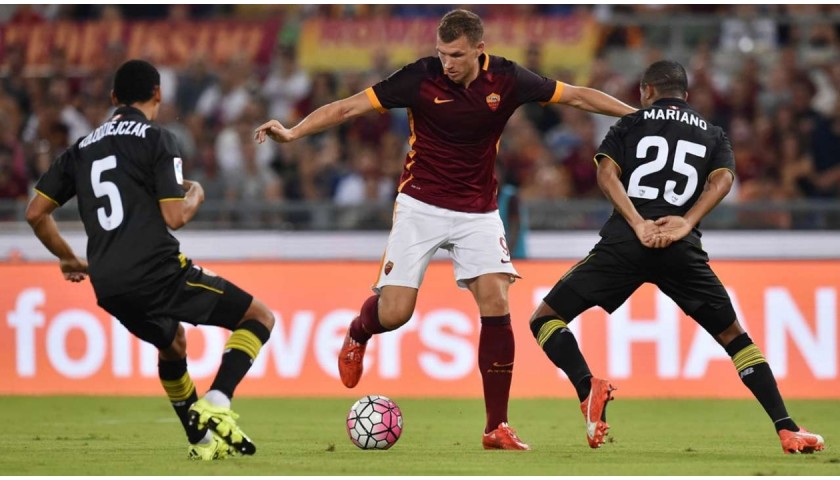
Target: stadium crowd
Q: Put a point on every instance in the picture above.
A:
(772, 84)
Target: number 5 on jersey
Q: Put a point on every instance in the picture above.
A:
(104, 188)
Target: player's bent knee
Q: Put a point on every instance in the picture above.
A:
(494, 306)
(719, 321)
(394, 318)
(259, 311)
(394, 312)
(542, 311)
(732, 332)
(178, 348)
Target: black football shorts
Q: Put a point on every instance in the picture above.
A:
(194, 296)
(613, 271)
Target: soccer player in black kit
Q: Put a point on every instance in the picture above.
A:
(663, 168)
(127, 176)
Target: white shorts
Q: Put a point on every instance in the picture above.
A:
(475, 241)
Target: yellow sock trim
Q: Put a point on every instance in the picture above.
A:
(748, 357)
(246, 341)
(548, 329)
(179, 390)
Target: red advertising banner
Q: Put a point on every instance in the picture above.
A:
(55, 340)
(86, 44)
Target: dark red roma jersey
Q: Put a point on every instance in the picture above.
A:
(455, 131)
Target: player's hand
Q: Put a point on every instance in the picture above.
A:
(672, 229)
(273, 130)
(74, 269)
(196, 188)
(646, 232)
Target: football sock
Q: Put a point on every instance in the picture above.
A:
(367, 323)
(180, 389)
(240, 351)
(755, 372)
(495, 360)
(217, 399)
(559, 344)
(207, 438)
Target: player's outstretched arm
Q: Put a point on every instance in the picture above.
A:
(610, 182)
(39, 215)
(674, 228)
(321, 119)
(178, 213)
(594, 101)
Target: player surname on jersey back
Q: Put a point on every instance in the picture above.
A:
(673, 114)
(124, 127)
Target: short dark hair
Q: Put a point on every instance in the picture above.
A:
(135, 81)
(668, 77)
(461, 22)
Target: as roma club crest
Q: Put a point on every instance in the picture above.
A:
(388, 267)
(493, 101)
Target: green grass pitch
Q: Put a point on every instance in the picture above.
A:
(141, 436)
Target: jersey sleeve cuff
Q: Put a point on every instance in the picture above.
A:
(47, 197)
(374, 100)
(600, 156)
(558, 91)
(170, 199)
(722, 168)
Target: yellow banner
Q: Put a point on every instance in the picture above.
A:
(565, 43)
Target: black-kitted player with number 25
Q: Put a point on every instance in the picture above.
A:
(663, 168)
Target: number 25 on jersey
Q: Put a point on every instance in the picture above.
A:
(638, 190)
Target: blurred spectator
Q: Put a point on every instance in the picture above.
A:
(286, 85)
(26, 15)
(543, 117)
(578, 161)
(323, 91)
(193, 82)
(775, 91)
(364, 183)
(223, 102)
(168, 118)
(745, 30)
(253, 188)
(231, 139)
(13, 186)
(824, 180)
(13, 82)
(513, 213)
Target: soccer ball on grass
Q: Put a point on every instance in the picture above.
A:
(374, 422)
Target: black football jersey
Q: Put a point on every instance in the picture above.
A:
(665, 153)
(120, 172)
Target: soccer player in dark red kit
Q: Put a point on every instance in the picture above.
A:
(458, 104)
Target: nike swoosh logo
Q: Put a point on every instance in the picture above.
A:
(446, 100)
(590, 426)
(498, 365)
(505, 261)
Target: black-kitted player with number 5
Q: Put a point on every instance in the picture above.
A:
(127, 176)
(663, 168)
